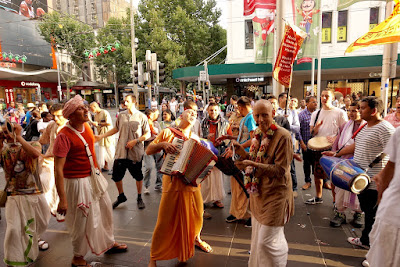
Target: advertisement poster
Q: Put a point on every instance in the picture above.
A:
(307, 19)
(28, 8)
(263, 29)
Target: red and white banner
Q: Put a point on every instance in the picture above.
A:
(288, 50)
(251, 5)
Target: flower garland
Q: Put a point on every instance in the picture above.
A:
(258, 149)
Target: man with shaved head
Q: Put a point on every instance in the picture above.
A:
(269, 183)
(103, 123)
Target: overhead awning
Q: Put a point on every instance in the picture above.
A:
(46, 75)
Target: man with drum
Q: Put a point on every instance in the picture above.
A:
(369, 143)
(345, 199)
(324, 123)
(271, 197)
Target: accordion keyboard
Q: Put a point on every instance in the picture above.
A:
(170, 159)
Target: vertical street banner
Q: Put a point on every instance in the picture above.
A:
(342, 4)
(288, 50)
(386, 32)
(251, 5)
(263, 29)
(307, 19)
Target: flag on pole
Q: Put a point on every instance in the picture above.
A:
(386, 32)
(263, 28)
(346, 3)
(307, 19)
(251, 5)
(288, 50)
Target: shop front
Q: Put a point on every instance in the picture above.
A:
(27, 91)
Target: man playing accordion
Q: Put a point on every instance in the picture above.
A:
(180, 215)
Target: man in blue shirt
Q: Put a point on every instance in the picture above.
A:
(239, 201)
(303, 136)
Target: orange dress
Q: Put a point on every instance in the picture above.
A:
(180, 215)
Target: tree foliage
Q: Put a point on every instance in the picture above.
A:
(68, 34)
(116, 29)
(181, 32)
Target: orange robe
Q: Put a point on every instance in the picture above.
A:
(180, 216)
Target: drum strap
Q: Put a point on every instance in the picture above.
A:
(315, 121)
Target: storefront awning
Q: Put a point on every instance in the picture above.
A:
(46, 75)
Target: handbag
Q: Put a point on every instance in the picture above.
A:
(3, 196)
(98, 182)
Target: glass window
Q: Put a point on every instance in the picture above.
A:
(248, 34)
(342, 26)
(373, 17)
(327, 27)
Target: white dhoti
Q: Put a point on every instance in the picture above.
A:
(268, 245)
(385, 247)
(212, 188)
(49, 187)
(90, 223)
(27, 218)
(106, 154)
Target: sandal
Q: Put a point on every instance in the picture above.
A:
(117, 248)
(204, 246)
(218, 204)
(85, 264)
(43, 245)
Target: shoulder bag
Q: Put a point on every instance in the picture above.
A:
(98, 183)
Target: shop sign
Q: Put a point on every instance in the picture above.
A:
(250, 79)
(107, 91)
(30, 84)
(97, 90)
(86, 92)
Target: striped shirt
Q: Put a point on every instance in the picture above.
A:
(305, 133)
(369, 143)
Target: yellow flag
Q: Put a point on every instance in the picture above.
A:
(386, 32)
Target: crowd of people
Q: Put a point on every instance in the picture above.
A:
(54, 156)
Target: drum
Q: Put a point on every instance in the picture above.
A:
(345, 174)
(319, 143)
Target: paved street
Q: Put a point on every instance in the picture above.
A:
(312, 242)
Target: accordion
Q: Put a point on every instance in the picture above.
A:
(193, 162)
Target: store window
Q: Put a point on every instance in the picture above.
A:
(327, 27)
(25, 95)
(248, 34)
(342, 26)
(373, 17)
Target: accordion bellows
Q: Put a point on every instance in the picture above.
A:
(193, 162)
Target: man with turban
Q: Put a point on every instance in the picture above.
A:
(88, 216)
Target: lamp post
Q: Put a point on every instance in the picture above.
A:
(116, 87)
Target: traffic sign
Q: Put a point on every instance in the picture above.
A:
(203, 75)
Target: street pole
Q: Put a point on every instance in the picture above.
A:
(319, 61)
(312, 76)
(208, 80)
(116, 87)
(280, 28)
(58, 76)
(389, 57)
(135, 87)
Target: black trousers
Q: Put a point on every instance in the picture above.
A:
(308, 164)
(368, 203)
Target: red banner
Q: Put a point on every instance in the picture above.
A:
(290, 46)
(251, 5)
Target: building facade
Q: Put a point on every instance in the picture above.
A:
(359, 71)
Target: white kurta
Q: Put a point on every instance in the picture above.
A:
(27, 218)
(212, 188)
(268, 245)
(90, 223)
